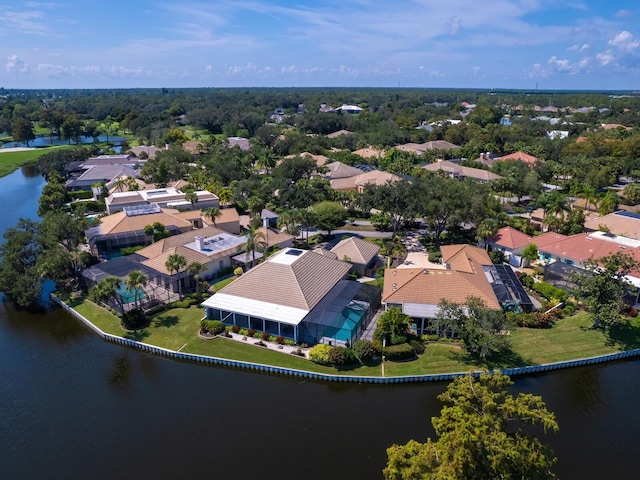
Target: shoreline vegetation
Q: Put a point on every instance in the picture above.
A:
(572, 338)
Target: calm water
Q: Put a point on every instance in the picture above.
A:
(48, 141)
(72, 406)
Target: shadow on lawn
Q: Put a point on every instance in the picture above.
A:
(165, 321)
(625, 336)
(505, 358)
(137, 335)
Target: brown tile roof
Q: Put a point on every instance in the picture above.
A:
(319, 159)
(120, 223)
(509, 237)
(194, 147)
(429, 287)
(440, 145)
(226, 215)
(175, 241)
(325, 252)
(462, 171)
(417, 148)
(369, 153)
(623, 225)
(375, 177)
(358, 251)
(339, 133)
(341, 170)
(158, 263)
(464, 278)
(274, 237)
(298, 284)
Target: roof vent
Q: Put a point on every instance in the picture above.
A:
(425, 272)
(394, 273)
(394, 286)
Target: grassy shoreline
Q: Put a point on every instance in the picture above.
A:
(11, 161)
(571, 338)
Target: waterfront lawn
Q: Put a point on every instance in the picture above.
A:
(224, 348)
(570, 338)
(10, 161)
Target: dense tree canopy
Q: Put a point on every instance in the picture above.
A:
(480, 436)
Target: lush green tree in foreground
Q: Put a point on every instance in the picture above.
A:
(480, 436)
(329, 215)
(602, 285)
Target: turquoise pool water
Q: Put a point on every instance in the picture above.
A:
(128, 295)
(346, 324)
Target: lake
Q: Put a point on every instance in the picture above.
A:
(48, 141)
(74, 406)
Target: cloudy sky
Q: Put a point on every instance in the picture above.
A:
(557, 44)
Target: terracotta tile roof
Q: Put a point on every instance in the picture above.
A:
(509, 237)
(375, 177)
(158, 263)
(622, 224)
(584, 246)
(465, 258)
(429, 287)
(523, 157)
(194, 147)
(226, 215)
(120, 223)
(358, 251)
(299, 282)
(547, 238)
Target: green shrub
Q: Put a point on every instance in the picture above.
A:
(418, 347)
(130, 250)
(214, 327)
(398, 339)
(320, 354)
(289, 342)
(430, 338)
(81, 194)
(134, 319)
(340, 355)
(531, 320)
(435, 257)
(569, 308)
(155, 310)
(223, 272)
(258, 335)
(363, 350)
(243, 331)
(548, 291)
(399, 352)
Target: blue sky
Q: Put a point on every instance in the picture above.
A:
(557, 44)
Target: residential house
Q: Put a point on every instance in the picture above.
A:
(319, 159)
(164, 197)
(460, 172)
(369, 152)
(362, 255)
(240, 142)
(93, 174)
(228, 220)
(622, 223)
(300, 295)
(512, 243)
(339, 133)
(350, 109)
(149, 151)
(358, 182)
(337, 170)
(126, 228)
(521, 156)
(468, 272)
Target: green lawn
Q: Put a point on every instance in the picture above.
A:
(570, 338)
(223, 283)
(10, 161)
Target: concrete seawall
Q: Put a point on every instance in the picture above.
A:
(330, 377)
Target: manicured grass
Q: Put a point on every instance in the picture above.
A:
(570, 338)
(10, 161)
(223, 283)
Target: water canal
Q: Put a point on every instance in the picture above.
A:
(73, 406)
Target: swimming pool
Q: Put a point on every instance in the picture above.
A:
(129, 295)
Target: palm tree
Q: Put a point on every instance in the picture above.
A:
(256, 240)
(266, 161)
(558, 204)
(307, 218)
(608, 203)
(176, 262)
(134, 282)
(195, 269)
(487, 229)
(212, 213)
(120, 183)
(105, 290)
(225, 194)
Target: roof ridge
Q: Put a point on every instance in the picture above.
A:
(412, 276)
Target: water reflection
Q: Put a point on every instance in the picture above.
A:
(119, 376)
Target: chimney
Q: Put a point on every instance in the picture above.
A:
(166, 146)
(199, 242)
(265, 222)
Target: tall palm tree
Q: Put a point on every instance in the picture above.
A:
(120, 183)
(105, 290)
(608, 203)
(225, 194)
(212, 213)
(195, 269)
(256, 240)
(487, 229)
(134, 282)
(306, 218)
(175, 263)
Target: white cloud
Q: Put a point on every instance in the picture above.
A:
(623, 13)
(605, 58)
(14, 64)
(625, 42)
(559, 65)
